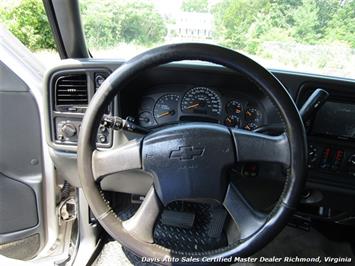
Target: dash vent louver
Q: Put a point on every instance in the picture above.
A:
(72, 90)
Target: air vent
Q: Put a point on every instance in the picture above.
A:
(72, 90)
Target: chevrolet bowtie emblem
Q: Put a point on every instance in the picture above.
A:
(186, 153)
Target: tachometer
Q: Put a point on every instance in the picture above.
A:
(201, 100)
(165, 109)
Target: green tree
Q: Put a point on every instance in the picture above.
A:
(142, 24)
(107, 23)
(195, 5)
(282, 12)
(28, 22)
(341, 26)
(316, 19)
(247, 24)
(239, 23)
(326, 11)
(101, 22)
(306, 22)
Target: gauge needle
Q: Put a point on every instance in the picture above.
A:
(166, 113)
(248, 113)
(193, 106)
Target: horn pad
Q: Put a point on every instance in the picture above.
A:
(188, 161)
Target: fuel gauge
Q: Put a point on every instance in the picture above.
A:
(234, 107)
(253, 118)
(250, 126)
(232, 121)
(146, 119)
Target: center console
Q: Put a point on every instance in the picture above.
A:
(331, 136)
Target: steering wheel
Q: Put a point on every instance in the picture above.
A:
(188, 161)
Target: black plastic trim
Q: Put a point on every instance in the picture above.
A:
(48, 6)
(64, 17)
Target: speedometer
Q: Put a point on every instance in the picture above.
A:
(201, 100)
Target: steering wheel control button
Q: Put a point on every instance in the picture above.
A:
(189, 161)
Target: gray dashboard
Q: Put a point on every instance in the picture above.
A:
(150, 91)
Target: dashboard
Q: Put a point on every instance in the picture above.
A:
(180, 93)
(178, 103)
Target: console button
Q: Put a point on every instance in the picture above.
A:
(102, 138)
(68, 130)
(352, 160)
(72, 109)
(312, 154)
(99, 79)
(324, 162)
(339, 154)
(351, 165)
(102, 129)
(250, 170)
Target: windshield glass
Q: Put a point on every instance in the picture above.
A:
(307, 36)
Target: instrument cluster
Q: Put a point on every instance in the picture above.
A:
(200, 104)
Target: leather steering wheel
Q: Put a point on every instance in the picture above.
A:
(188, 160)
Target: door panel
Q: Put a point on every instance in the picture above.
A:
(22, 196)
(21, 167)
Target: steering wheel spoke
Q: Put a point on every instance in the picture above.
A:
(141, 225)
(123, 158)
(252, 146)
(247, 219)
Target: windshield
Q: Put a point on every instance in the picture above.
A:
(307, 36)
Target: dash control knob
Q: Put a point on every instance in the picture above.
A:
(99, 79)
(102, 138)
(68, 130)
